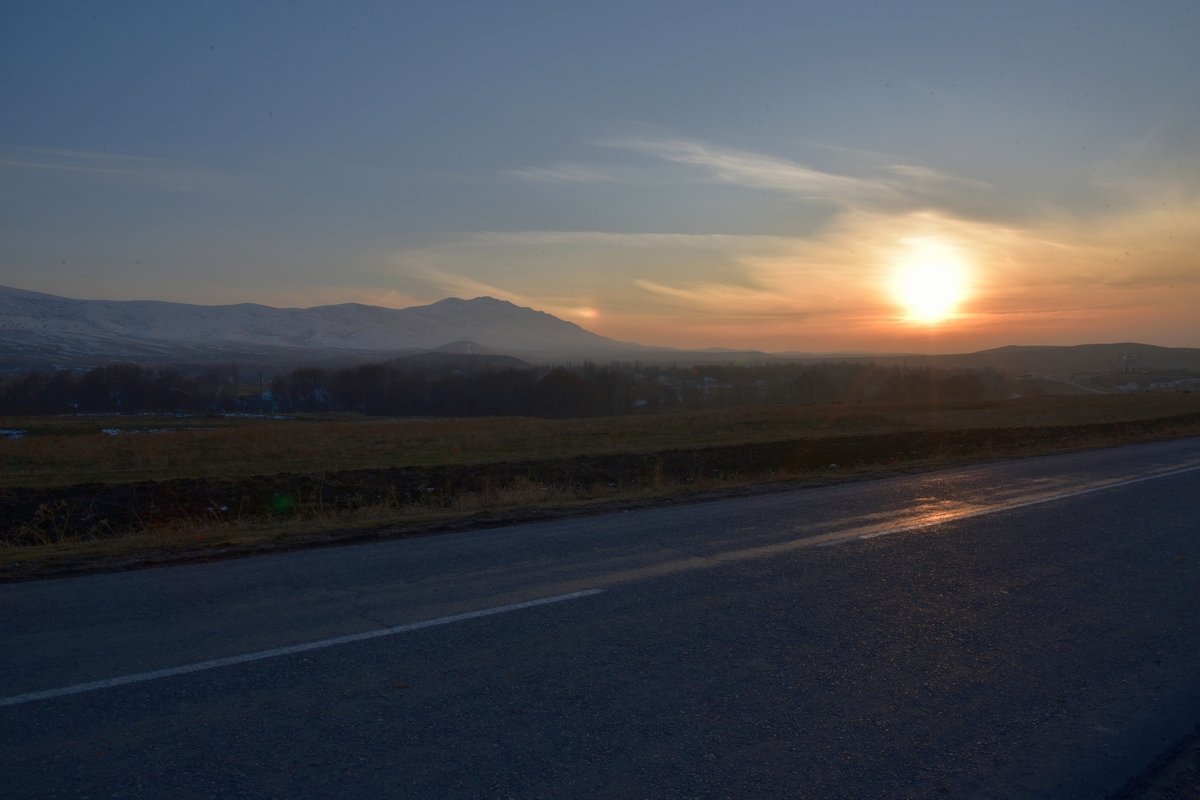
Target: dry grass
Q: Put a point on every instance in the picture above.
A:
(61, 451)
(66, 451)
(206, 538)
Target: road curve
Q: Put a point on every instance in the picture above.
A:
(1019, 629)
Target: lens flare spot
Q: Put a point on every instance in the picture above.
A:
(586, 312)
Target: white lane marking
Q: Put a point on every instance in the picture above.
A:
(953, 516)
(851, 533)
(321, 644)
(857, 533)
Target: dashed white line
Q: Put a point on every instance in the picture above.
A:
(216, 663)
(857, 533)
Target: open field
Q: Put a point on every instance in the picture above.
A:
(60, 451)
(85, 491)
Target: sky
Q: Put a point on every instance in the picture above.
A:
(793, 176)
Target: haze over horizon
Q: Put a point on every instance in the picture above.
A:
(782, 177)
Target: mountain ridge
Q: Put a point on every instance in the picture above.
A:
(39, 330)
(48, 330)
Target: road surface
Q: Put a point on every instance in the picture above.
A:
(1022, 629)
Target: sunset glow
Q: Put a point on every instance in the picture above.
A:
(929, 281)
(797, 180)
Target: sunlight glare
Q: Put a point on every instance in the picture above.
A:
(929, 280)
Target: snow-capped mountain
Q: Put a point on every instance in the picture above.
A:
(44, 330)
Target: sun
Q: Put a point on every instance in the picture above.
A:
(929, 280)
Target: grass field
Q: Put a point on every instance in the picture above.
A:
(59, 451)
(80, 490)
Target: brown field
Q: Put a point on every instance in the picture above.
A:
(169, 487)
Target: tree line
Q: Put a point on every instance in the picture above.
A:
(583, 390)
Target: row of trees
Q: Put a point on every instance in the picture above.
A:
(576, 391)
(120, 388)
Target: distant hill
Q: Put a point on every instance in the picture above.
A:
(1131, 357)
(41, 330)
(442, 361)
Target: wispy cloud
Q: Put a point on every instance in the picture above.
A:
(614, 239)
(568, 173)
(873, 181)
(736, 302)
(157, 173)
(754, 170)
(925, 176)
(1057, 275)
(1045, 276)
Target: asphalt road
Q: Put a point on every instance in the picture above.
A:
(1022, 629)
